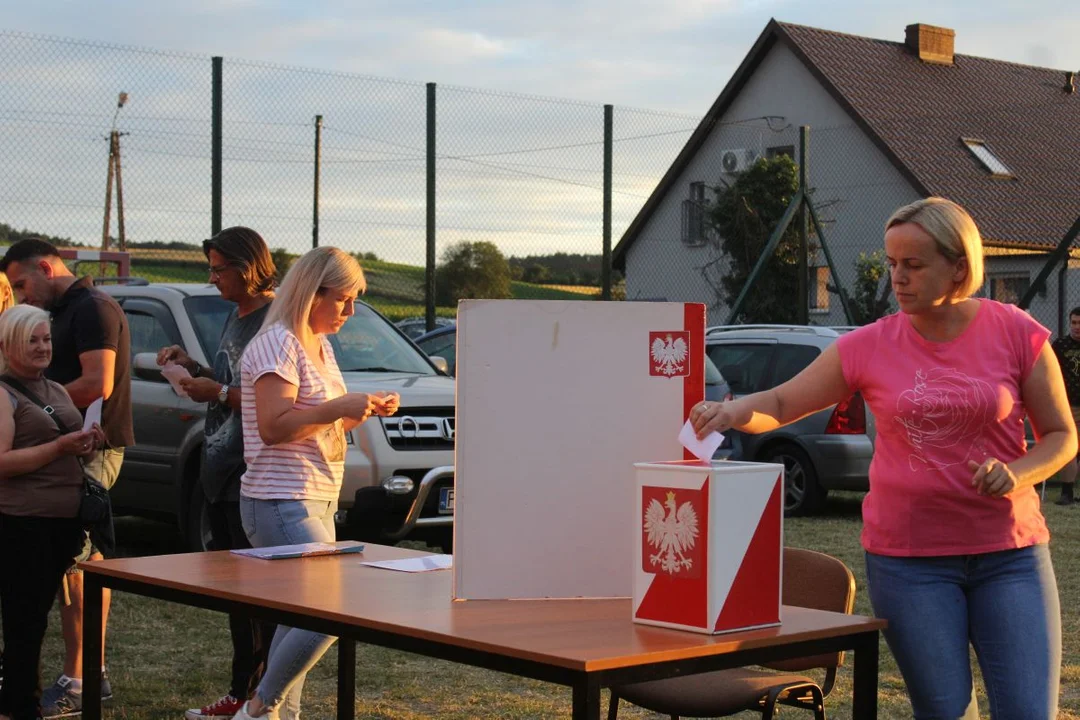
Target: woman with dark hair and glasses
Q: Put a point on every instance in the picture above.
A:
(243, 272)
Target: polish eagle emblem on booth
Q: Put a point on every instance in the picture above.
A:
(669, 352)
(670, 531)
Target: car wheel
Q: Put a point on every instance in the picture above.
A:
(803, 494)
(198, 521)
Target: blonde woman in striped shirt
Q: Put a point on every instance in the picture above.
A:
(296, 411)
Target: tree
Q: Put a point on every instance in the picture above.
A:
(537, 273)
(870, 300)
(471, 270)
(282, 260)
(743, 218)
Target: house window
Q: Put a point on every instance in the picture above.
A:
(819, 289)
(694, 221)
(1009, 288)
(788, 150)
(987, 157)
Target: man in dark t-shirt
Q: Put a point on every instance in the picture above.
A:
(1067, 349)
(91, 359)
(243, 271)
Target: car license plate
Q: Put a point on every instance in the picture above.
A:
(446, 501)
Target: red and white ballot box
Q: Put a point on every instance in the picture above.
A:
(710, 545)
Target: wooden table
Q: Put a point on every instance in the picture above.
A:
(585, 644)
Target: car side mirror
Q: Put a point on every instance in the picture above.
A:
(440, 362)
(146, 368)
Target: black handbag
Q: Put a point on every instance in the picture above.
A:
(95, 507)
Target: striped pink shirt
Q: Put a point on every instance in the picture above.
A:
(308, 469)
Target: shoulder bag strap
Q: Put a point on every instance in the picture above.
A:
(49, 409)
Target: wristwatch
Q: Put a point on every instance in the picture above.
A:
(223, 394)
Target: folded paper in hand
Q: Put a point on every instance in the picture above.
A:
(703, 449)
(93, 414)
(174, 374)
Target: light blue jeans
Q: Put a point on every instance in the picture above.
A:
(293, 652)
(1004, 604)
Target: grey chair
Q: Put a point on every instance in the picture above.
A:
(811, 580)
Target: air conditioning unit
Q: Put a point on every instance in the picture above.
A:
(736, 160)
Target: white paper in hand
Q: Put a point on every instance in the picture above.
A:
(703, 449)
(93, 414)
(174, 374)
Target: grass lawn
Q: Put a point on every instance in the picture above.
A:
(164, 658)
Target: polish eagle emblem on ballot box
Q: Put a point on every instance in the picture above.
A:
(670, 534)
(709, 545)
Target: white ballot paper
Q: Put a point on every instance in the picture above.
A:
(415, 564)
(93, 414)
(174, 374)
(703, 449)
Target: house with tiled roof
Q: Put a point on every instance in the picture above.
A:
(889, 122)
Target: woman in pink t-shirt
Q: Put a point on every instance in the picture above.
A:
(956, 546)
(295, 413)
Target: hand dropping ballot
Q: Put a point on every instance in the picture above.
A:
(703, 449)
(93, 414)
(174, 374)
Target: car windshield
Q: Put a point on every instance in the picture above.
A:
(369, 343)
(208, 314)
(712, 374)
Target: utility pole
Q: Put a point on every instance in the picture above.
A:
(318, 160)
(114, 170)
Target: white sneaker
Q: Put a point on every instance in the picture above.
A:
(242, 714)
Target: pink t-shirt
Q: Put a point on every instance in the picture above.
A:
(308, 469)
(937, 406)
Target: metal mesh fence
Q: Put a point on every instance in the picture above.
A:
(523, 172)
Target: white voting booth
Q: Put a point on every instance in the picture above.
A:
(556, 401)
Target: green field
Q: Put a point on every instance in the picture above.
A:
(164, 658)
(395, 290)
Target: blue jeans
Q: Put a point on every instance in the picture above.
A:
(1004, 604)
(293, 652)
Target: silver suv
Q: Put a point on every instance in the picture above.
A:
(829, 450)
(398, 471)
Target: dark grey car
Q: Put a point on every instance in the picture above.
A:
(829, 450)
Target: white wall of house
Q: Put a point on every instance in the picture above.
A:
(1008, 275)
(855, 186)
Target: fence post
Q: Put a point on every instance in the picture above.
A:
(605, 269)
(315, 200)
(803, 284)
(429, 284)
(215, 149)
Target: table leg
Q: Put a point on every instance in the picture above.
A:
(346, 689)
(586, 699)
(864, 701)
(91, 693)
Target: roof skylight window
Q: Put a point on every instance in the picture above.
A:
(987, 157)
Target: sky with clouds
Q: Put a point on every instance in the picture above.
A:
(672, 57)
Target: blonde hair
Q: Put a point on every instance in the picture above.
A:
(7, 297)
(954, 233)
(16, 327)
(316, 272)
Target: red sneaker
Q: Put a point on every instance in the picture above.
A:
(222, 709)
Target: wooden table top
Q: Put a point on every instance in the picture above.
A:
(580, 634)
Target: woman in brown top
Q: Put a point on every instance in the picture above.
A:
(40, 490)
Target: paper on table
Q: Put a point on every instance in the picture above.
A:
(174, 374)
(416, 564)
(703, 449)
(93, 414)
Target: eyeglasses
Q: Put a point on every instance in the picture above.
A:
(218, 269)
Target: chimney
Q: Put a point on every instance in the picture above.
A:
(930, 44)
